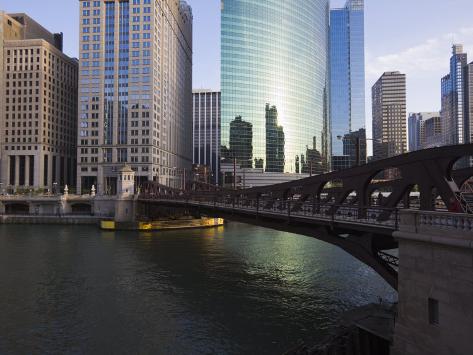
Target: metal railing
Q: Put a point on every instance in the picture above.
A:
(289, 208)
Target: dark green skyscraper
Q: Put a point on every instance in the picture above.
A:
(274, 142)
(241, 142)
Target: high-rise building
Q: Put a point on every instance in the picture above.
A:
(347, 73)
(286, 66)
(38, 110)
(241, 142)
(354, 150)
(433, 133)
(206, 133)
(274, 141)
(389, 115)
(416, 129)
(468, 72)
(454, 100)
(135, 92)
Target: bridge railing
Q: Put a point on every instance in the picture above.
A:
(371, 215)
(444, 224)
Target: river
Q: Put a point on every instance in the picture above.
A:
(237, 289)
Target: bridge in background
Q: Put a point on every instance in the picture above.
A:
(356, 209)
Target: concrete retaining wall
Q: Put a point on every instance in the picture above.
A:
(50, 220)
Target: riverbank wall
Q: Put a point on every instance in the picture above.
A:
(53, 220)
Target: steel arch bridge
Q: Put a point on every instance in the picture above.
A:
(355, 209)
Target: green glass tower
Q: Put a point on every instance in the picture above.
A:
(274, 76)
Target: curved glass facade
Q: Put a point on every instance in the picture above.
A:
(275, 84)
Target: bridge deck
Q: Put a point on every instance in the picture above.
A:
(346, 218)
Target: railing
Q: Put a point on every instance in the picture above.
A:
(388, 258)
(458, 221)
(372, 215)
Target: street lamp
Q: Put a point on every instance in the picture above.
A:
(54, 188)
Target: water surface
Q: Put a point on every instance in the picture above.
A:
(237, 289)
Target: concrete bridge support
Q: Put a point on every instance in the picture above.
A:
(435, 284)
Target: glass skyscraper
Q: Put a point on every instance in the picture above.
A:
(275, 84)
(347, 73)
(453, 99)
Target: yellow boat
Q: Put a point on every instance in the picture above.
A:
(204, 222)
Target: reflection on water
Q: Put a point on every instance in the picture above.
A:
(229, 290)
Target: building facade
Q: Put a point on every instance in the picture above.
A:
(416, 129)
(389, 115)
(433, 133)
(206, 132)
(135, 92)
(285, 67)
(347, 73)
(454, 99)
(468, 109)
(38, 114)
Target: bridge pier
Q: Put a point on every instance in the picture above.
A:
(435, 284)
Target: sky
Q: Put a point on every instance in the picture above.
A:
(412, 36)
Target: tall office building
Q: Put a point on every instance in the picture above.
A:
(468, 108)
(433, 133)
(206, 133)
(347, 74)
(275, 141)
(135, 91)
(454, 100)
(285, 66)
(38, 110)
(389, 115)
(354, 151)
(416, 129)
(241, 142)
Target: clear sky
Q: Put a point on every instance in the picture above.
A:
(413, 36)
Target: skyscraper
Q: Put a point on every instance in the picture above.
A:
(454, 100)
(347, 72)
(274, 141)
(416, 129)
(433, 136)
(286, 66)
(38, 110)
(206, 133)
(241, 142)
(389, 115)
(135, 91)
(468, 72)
